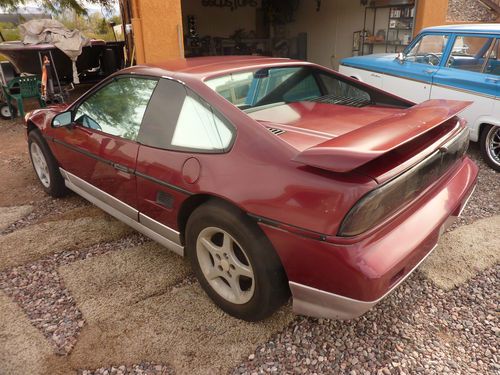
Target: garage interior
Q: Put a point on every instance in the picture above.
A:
(321, 31)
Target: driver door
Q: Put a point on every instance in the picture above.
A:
(100, 147)
(412, 78)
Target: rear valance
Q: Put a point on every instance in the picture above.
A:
(354, 149)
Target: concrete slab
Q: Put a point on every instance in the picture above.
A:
(9, 215)
(135, 312)
(23, 349)
(113, 281)
(463, 253)
(36, 241)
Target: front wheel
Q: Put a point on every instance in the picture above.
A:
(490, 146)
(234, 262)
(45, 165)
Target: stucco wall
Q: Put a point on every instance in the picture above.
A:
(430, 13)
(157, 30)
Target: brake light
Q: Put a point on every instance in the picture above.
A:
(385, 200)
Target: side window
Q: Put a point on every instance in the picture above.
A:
(469, 53)
(178, 119)
(493, 64)
(118, 107)
(428, 50)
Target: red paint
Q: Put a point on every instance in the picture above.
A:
(363, 268)
(259, 175)
(352, 149)
(191, 170)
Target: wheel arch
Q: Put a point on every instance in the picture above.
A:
(30, 126)
(192, 203)
(479, 125)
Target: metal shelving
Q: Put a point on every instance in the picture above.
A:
(397, 35)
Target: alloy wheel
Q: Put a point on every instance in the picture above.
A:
(493, 144)
(225, 265)
(40, 164)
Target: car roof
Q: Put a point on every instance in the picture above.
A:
(470, 28)
(203, 67)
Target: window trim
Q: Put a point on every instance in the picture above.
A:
(215, 111)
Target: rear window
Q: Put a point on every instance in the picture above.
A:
(278, 85)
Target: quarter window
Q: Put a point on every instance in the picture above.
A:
(469, 53)
(199, 128)
(428, 50)
(178, 119)
(118, 107)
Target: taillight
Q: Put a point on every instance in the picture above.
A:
(386, 199)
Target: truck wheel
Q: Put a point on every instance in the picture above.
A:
(490, 146)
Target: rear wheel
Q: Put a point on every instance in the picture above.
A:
(234, 262)
(490, 146)
(45, 165)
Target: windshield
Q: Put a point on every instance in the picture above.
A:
(269, 86)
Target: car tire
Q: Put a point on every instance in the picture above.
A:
(490, 146)
(5, 111)
(235, 262)
(45, 165)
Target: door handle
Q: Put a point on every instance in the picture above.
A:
(494, 80)
(374, 75)
(122, 168)
(429, 71)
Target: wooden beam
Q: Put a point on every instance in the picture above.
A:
(493, 5)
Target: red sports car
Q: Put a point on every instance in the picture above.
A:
(273, 176)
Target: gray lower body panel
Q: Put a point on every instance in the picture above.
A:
(321, 304)
(151, 228)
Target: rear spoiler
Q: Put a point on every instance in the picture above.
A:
(354, 149)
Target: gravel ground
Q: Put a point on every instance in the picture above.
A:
(469, 11)
(145, 368)
(418, 329)
(38, 290)
(47, 208)
(485, 201)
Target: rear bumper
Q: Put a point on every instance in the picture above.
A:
(342, 280)
(321, 304)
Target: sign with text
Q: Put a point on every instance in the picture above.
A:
(231, 4)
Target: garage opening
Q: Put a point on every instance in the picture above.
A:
(321, 31)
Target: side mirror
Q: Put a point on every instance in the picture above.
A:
(401, 57)
(62, 119)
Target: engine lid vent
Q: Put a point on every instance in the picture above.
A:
(276, 131)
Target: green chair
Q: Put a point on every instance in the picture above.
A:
(20, 88)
